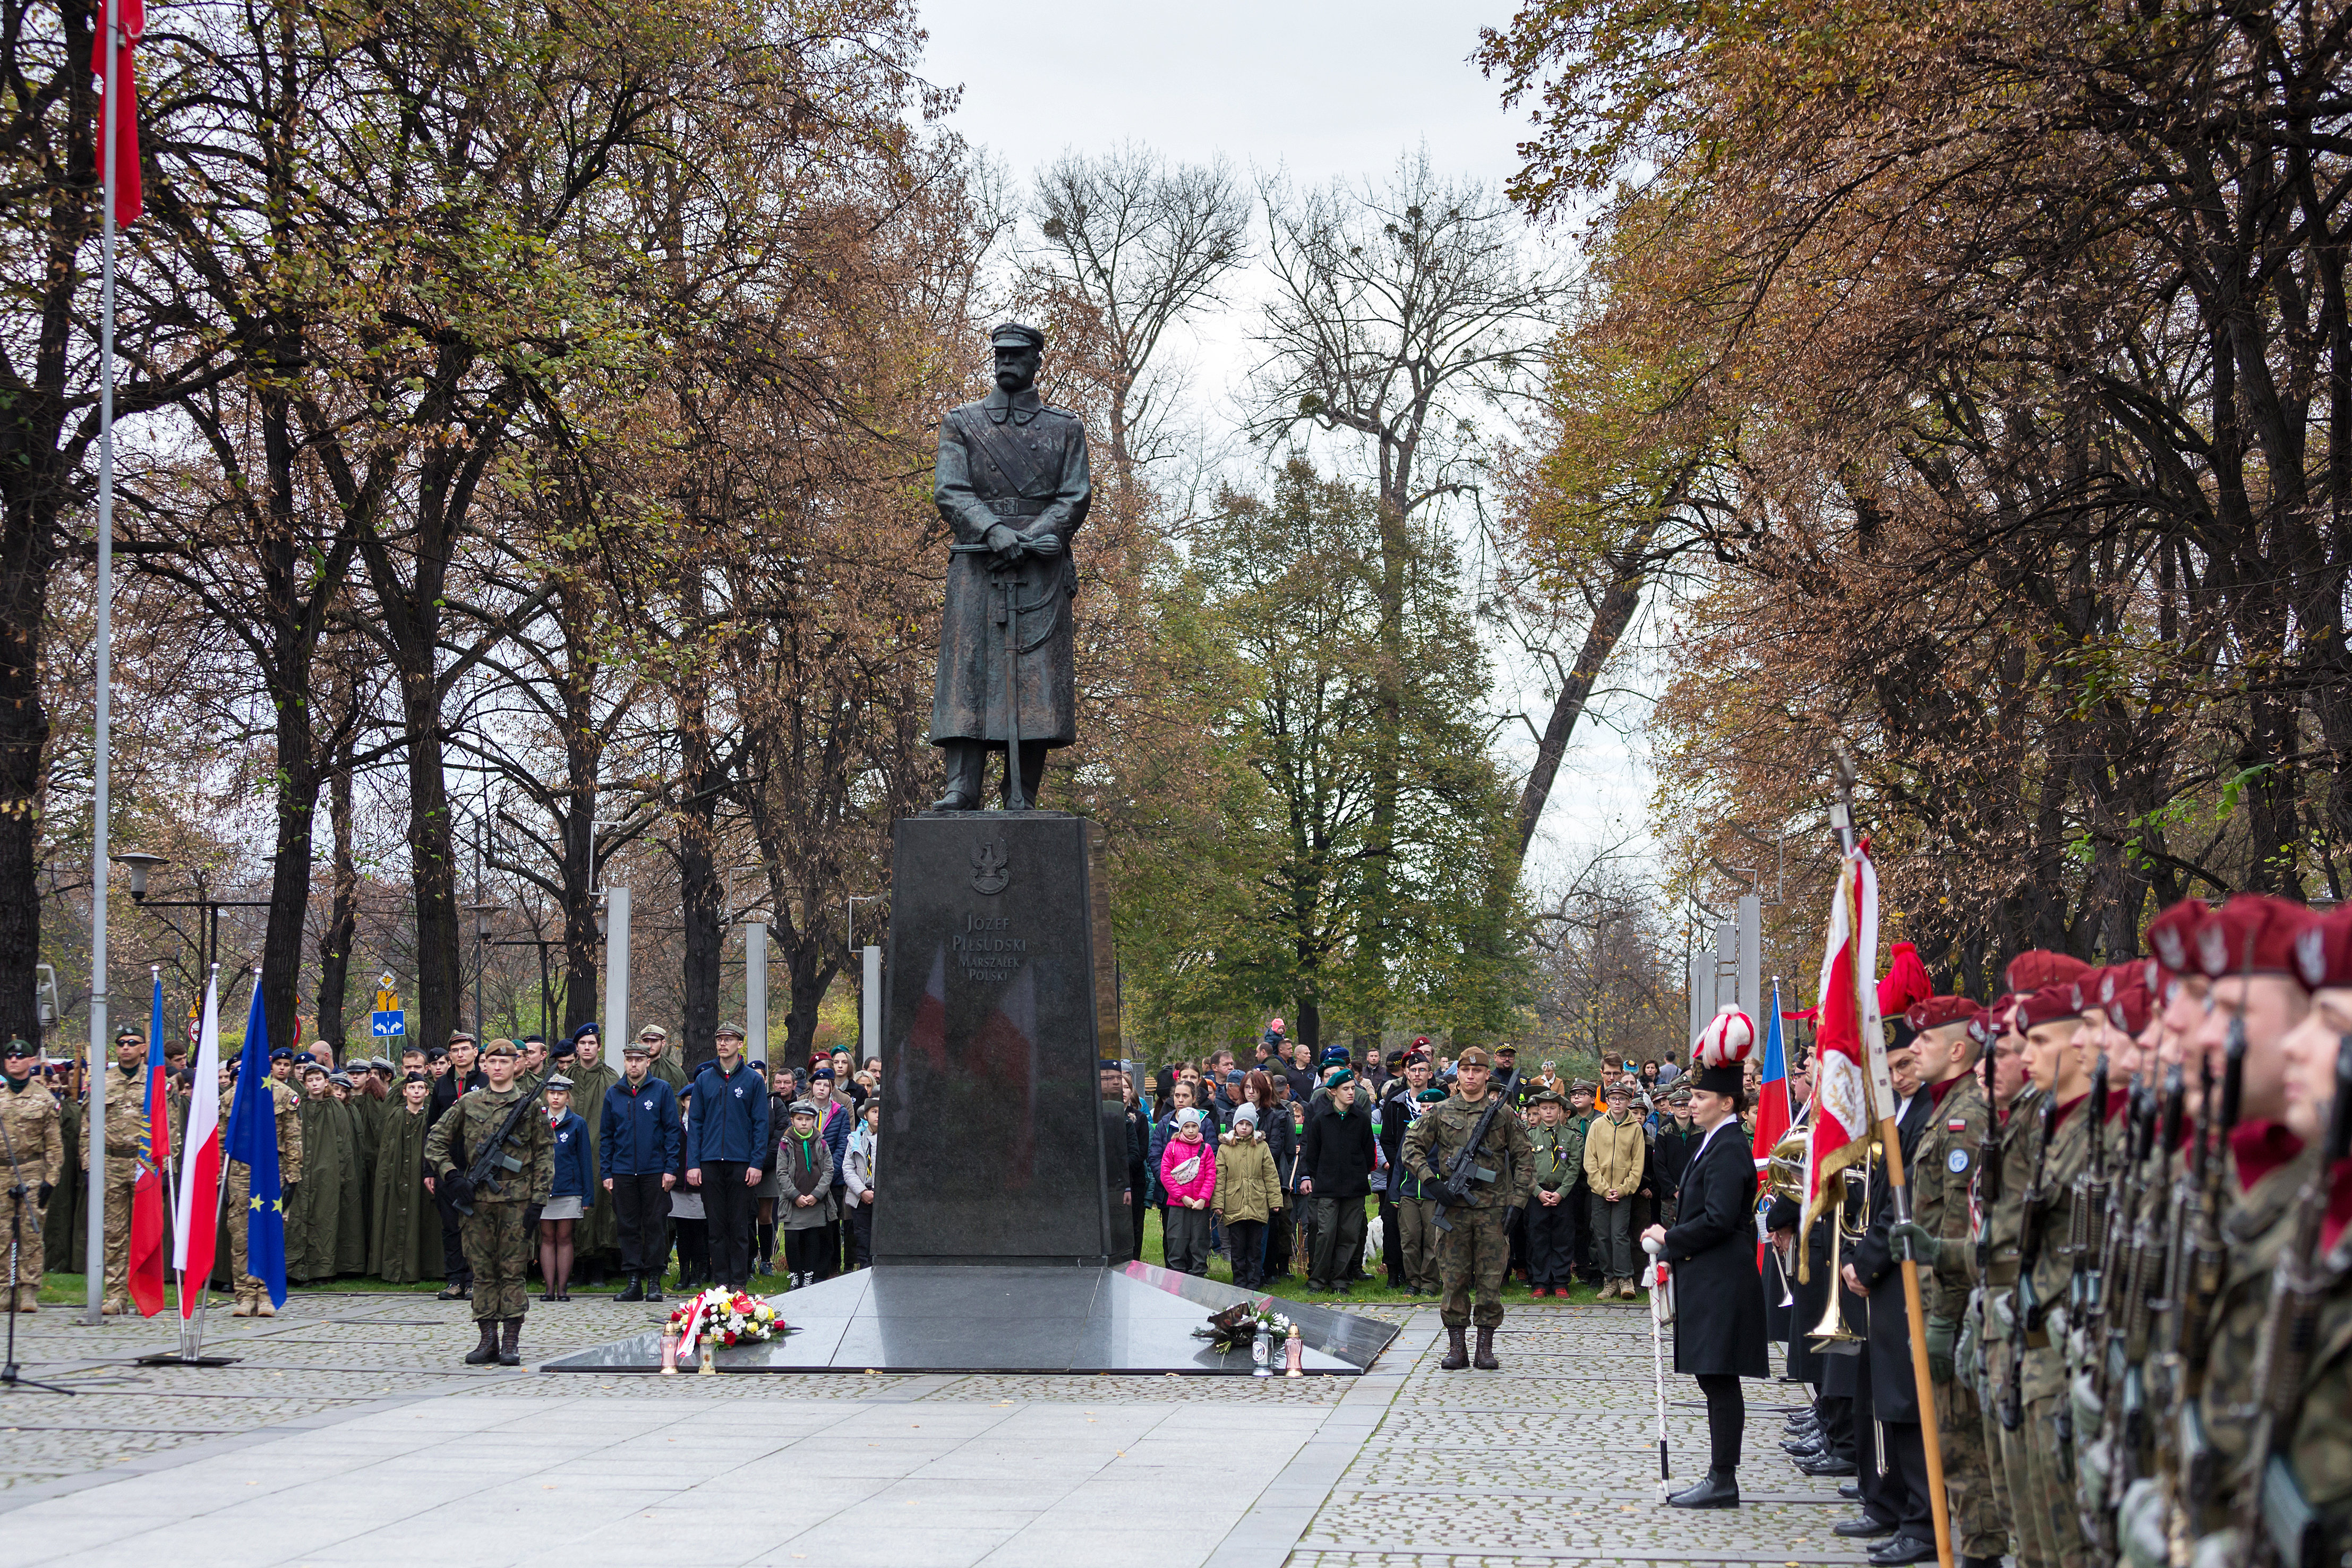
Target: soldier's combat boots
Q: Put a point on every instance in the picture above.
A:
(1457, 1350)
(487, 1352)
(1484, 1360)
(636, 1290)
(510, 1343)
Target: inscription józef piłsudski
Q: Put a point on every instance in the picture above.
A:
(986, 950)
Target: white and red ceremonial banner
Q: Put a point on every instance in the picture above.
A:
(196, 1223)
(1841, 1110)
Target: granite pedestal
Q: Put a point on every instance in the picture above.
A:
(1002, 1218)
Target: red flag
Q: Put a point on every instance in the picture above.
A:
(147, 1197)
(1841, 1125)
(120, 110)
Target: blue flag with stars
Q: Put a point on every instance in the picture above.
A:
(253, 1139)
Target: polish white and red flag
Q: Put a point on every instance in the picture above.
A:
(200, 1160)
(1840, 1122)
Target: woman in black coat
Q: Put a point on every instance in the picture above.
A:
(1718, 1295)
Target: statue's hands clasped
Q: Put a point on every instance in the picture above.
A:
(1012, 544)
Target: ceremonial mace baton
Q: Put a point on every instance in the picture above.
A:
(1661, 1311)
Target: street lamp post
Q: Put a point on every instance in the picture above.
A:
(142, 863)
(482, 913)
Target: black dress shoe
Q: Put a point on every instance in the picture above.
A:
(1720, 1490)
(1804, 1421)
(1905, 1549)
(1810, 1449)
(1851, 1491)
(1828, 1465)
(1864, 1529)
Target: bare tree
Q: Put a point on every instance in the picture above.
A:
(1138, 244)
(1396, 310)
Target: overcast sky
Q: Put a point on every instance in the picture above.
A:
(1318, 91)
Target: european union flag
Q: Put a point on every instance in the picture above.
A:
(253, 1139)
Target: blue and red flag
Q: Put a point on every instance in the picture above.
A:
(1773, 1112)
(148, 1197)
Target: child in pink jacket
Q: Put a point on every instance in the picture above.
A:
(1188, 1174)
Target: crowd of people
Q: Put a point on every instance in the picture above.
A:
(626, 1193)
(1279, 1166)
(2128, 1200)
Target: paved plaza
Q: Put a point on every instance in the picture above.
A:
(347, 1433)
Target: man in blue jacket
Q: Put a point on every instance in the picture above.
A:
(639, 1152)
(728, 1149)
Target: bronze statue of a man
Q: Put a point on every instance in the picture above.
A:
(1013, 486)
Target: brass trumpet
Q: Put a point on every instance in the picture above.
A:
(1832, 1329)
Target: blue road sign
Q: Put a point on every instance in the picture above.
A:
(383, 1025)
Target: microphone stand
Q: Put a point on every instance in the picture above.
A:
(10, 1377)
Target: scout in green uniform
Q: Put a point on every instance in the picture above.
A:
(314, 1213)
(1942, 1167)
(1475, 1249)
(37, 1146)
(496, 1249)
(663, 1064)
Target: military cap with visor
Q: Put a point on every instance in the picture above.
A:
(1016, 335)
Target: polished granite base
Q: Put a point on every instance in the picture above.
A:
(1011, 1318)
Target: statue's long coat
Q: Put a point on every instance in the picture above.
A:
(1009, 459)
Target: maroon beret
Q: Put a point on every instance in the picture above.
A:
(2254, 934)
(1938, 1011)
(2051, 1004)
(2172, 936)
(2040, 968)
(2323, 953)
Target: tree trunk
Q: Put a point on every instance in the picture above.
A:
(1609, 623)
(343, 912)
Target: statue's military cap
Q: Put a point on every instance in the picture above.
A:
(1015, 334)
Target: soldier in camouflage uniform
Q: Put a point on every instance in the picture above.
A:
(2043, 1500)
(126, 1140)
(1951, 1031)
(497, 1247)
(1476, 1249)
(252, 1292)
(36, 1142)
(1995, 1232)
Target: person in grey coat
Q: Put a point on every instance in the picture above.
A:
(805, 1163)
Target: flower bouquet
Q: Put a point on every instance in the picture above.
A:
(724, 1318)
(1240, 1325)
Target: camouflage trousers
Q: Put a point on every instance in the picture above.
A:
(122, 1181)
(1417, 1230)
(2043, 1519)
(25, 1211)
(2005, 1460)
(236, 1198)
(1475, 1253)
(1979, 1525)
(498, 1252)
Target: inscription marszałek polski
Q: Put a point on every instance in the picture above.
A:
(985, 953)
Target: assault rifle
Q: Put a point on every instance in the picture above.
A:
(2088, 1284)
(1464, 1171)
(2143, 1283)
(1988, 1180)
(2106, 1363)
(491, 1159)
(2199, 1259)
(2277, 1525)
(2026, 1310)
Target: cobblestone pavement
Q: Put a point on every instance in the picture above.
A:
(1550, 1461)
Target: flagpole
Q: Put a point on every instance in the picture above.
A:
(1874, 1035)
(94, 1253)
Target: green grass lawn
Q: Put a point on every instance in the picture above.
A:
(67, 1289)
